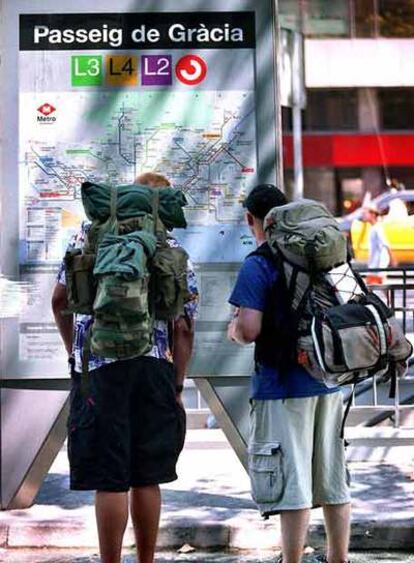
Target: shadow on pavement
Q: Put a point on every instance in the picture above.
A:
(383, 490)
(55, 491)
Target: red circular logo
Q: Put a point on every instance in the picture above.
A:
(191, 69)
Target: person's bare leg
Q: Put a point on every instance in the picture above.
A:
(111, 516)
(338, 529)
(294, 529)
(145, 513)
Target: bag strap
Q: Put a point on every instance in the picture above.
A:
(347, 409)
(359, 279)
(338, 352)
(111, 224)
(288, 287)
(155, 207)
(393, 389)
(113, 208)
(159, 230)
(393, 383)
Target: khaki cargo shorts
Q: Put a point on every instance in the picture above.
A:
(296, 454)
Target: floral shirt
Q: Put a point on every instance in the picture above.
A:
(160, 349)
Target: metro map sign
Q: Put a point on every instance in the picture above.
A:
(105, 96)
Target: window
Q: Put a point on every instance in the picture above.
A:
(289, 14)
(331, 110)
(317, 18)
(405, 176)
(349, 188)
(324, 19)
(286, 119)
(396, 18)
(365, 22)
(396, 108)
(345, 18)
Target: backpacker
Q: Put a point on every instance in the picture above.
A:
(342, 332)
(128, 273)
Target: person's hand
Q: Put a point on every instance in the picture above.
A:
(179, 399)
(71, 363)
(231, 328)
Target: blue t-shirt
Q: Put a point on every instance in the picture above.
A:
(255, 281)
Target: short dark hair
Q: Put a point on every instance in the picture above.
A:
(263, 198)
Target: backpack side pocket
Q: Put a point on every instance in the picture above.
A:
(80, 281)
(169, 287)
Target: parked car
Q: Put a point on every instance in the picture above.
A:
(399, 228)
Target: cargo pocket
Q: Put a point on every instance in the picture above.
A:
(266, 471)
(82, 437)
(181, 427)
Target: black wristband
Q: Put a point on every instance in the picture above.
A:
(179, 389)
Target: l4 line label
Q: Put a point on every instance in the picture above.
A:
(125, 70)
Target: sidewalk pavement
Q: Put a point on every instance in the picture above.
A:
(210, 507)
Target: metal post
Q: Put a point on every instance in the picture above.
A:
(397, 404)
(404, 300)
(297, 89)
(278, 110)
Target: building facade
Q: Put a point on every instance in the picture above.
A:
(358, 125)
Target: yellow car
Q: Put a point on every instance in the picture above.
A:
(399, 228)
(399, 234)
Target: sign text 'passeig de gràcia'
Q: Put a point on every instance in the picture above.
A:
(114, 37)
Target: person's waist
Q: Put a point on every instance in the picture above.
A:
(272, 370)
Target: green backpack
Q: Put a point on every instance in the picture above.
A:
(306, 234)
(338, 330)
(127, 274)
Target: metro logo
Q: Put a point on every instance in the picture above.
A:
(191, 70)
(46, 109)
(46, 117)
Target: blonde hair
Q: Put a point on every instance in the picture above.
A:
(152, 179)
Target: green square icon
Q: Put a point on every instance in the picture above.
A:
(87, 70)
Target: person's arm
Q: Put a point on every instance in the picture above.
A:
(393, 262)
(249, 296)
(183, 331)
(385, 244)
(183, 338)
(63, 322)
(245, 326)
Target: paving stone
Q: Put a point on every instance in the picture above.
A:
(210, 507)
(47, 556)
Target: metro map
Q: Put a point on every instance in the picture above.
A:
(203, 141)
